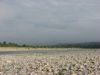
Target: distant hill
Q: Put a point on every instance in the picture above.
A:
(81, 45)
(90, 45)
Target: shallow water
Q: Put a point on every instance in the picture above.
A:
(44, 52)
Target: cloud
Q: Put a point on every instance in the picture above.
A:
(5, 11)
(50, 20)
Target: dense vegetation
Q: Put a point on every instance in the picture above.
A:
(76, 45)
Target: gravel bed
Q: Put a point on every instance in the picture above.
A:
(69, 63)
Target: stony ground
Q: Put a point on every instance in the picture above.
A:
(69, 63)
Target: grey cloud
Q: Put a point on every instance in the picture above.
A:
(50, 20)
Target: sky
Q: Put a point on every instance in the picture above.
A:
(50, 21)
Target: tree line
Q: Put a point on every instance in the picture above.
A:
(75, 45)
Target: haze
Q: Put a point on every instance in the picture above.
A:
(50, 21)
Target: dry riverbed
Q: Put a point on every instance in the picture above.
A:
(28, 49)
(68, 63)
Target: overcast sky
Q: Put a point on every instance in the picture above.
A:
(49, 21)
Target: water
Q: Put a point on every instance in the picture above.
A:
(40, 52)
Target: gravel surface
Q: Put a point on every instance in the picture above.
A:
(65, 63)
